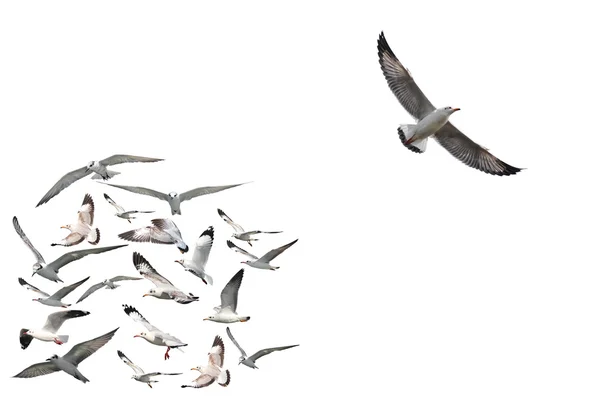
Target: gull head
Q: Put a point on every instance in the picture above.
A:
(142, 335)
(38, 299)
(68, 226)
(173, 194)
(90, 165)
(242, 359)
(180, 262)
(209, 318)
(152, 292)
(199, 369)
(36, 268)
(448, 110)
(54, 357)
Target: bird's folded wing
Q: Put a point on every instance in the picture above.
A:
(401, 82)
(190, 194)
(83, 350)
(38, 369)
(20, 232)
(63, 182)
(275, 252)
(470, 153)
(125, 158)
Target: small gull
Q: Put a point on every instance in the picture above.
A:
(50, 271)
(226, 312)
(107, 284)
(198, 262)
(250, 361)
(173, 198)
(121, 213)
(140, 375)
(164, 288)
(55, 299)
(99, 167)
(432, 122)
(240, 233)
(264, 261)
(214, 370)
(154, 335)
(162, 231)
(82, 229)
(70, 361)
(48, 332)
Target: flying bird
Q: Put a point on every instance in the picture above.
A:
(82, 229)
(240, 233)
(48, 332)
(226, 312)
(107, 284)
(55, 299)
(121, 213)
(153, 334)
(50, 271)
(214, 370)
(173, 198)
(70, 361)
(164, 288)
(250, 361)
(162, 231)
(140, 375)
(432, 122)
(197, 264)
(99, 167)
(264, 261)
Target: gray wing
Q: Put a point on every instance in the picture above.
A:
(124, 158)
(63, 183)
(91, 290)
(20, 232)
(115, 205)
(32, 288)
(78, 254)
(55, 320)
(201, 191)
(237, 249)
(235, 342)
(229, 294)
(127, 361)
(147, 271)
(124, 278)
(236, 227)
(83, 350)
(140, 190)
(137, 317)
(401, 82)
(264, 352)
(43, 368)
(66, 290)
(203, 246)
(470, 153)
(275, 252)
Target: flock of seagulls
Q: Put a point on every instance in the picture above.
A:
(159, 230)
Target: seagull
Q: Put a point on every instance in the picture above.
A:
(50, 271)
(82, 229)
(55, 299)
(140, 376)
(99, 167)
(432, 122)
(213, 371)
(154, 335)
(162, 231)
(52, 325)
(229, 295)
(164, 288)
(240, 233)
(200, 257)
(70, 361)
(262, 262)
(121, 213)
(173, 198)
(250, 361)
(107, 284)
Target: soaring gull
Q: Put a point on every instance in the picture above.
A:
(48, 332)
(121, 213)
(99, 167)
(432, 122)
(250, 361)
(70, 361)
(140, 375)
(214, 370)
(197, 264)
(226, 312)
(82, 229)
(240, 233)
(107, 284)
(162, 231)
(264, 261)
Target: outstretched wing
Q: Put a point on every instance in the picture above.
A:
(140, 190)
(63, 183)
(241, 251)
(43, 368)
(115, 205)
(86, 212)
(201, 191)
(91, 290)
(275, 252)
(201, 381)
(235, 342)
(264, 352)
(124, 278)
(156, 233)
(32, 288)
(78, 254)
(229, 294)
(20, 232)
(203, 247)
(216, 355)
(127, 361)
(55, 320)
(148, 272)
(125, 158)
(137, 317)
(83, 350)
(236, 227)
(65, 290)
(401, 82)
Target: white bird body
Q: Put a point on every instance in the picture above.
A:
(214, 370)
(226, 312)
(82, 229)
(47, 336)
(417, 135)
(199, 259)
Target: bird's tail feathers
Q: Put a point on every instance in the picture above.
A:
(406, 132)
(110, 174)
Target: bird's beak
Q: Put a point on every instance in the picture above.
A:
(456, 109)
(145, 294)
(137, 336)
(205, 319)
(63, 227)
(194, 369)
(179, 261)
(34, 273)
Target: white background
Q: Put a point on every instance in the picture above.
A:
(414, 277)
